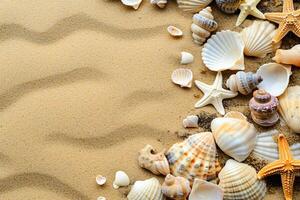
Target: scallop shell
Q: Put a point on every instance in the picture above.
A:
(193, 5)
(289, 108)
(275, 77)
(290, 56)
(228, 6)
(258, 39)
(234, 135)
(203, 24)
(176, 187)
(159, 3)
(195, 157)
(149, 189)
(203, 190)
(157, 163)
(174, 31)
(223, 51)
(186, 58)
(239, 181)
(182, 77)
(100, 180)
(121, 180)
(191, 121)
(132, 3)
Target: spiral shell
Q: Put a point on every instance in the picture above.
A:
(193, 5)
(176, 187)
(203, 24)
(228, 6)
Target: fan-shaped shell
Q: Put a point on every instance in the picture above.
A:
(182, 77)
(176, 187)
(228, 6)
(239, 181)
(234, 135)
(195, 157)
(223, 51)
(289, 56)
(203, 190)
(193, 5)
(275, 77)
(132, 3)
(149, 189)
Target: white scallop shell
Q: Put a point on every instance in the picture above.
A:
(275, 77)
(193, 5)
(132, 3)
(182, 77)
(186, 58)
(204, 190)
(149, 189)
(121, 180)
(174, 31)
(223, 51)
(258, 39)
(100, 180)
(191, 121)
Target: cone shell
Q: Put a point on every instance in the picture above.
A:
(239, 181)
(234, 135)
(195, 157)
(258, 39)
(228, 6)
(193, 6)
(290, 56)
(203, 190)
(182, 77)
(223, 51)
(149, 189)
(176, 187)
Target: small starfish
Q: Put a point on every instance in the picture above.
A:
(288, 20)
(249, 8)
(214, 94)
(286, 166)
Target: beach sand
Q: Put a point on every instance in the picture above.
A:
(84, 85)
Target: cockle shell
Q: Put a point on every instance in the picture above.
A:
(149, 189)
(100, 180)
(159, 3)
(243, 82)
(186, 58)
(234, 135)
(275, 77)
(121, 180)
(203, 24)
(157, 163)
(289, 107)
(290, 56)
(228, 6)
(193, 5)
(176, 187)
(258, 39)
(239, 181)
(195, 157)
(174, 31)
(223, 51)
(191, 121)
(182, 77)
(203, 190)
(132, 3)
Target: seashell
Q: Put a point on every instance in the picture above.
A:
(223, 51)
(275, 78)
(234, 135)
(191, 121)
(203, 190)
(186, 58)
(132, 3)
(159, 3)
(290, 56)
(174, 31)
(121, 180)
(182, 77)
(258, 39)
(101, 198)
(228, 6)
(243, 82)
(100, 180)
(203, 24)
(176, 187)
(193, 5)
(195, 157)
(295, 148)
(289, 108)
(149, 189)
(157, 163)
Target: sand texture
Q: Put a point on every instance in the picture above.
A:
(84, 85)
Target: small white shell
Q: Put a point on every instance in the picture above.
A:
(223, 51)
(159, 3)
(100, 180)
(182, 77)
(121, 180)
(174, 31)
(204, 190)
(101, 198)
(275, 77)
(186, 58)
(193, 5)
(132, 3)
(191, 121)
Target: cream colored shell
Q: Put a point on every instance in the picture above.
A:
(193, 5)
(176, 187)
(204, 190)
(289, 56)
(182, 77)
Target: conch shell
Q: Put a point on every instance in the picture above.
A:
(290, 56)
(176, 187)
(228, 6)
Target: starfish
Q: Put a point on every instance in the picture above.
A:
(288, 20)
(249, 8)
(286, 166)
(214, 94)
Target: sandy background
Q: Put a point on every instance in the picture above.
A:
(84, 85)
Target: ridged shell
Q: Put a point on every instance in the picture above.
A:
(228, 6)
(132, 3)
(203, 190)
(223, 51)
(182, 77)
(195, 157)
(203, 24)
(289, 56)
(289, 107)
(176, 187)
(193, 5)
(149, 189)
(157, 163)
(239, 181)
(234, 135)
(258, 39)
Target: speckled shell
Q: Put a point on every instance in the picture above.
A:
(228, 6)
(193, 6)
(234, 135)
(239, 181)
(157, 163)
(195, 157)
(203, 24)
(290, 56)
(176, 187)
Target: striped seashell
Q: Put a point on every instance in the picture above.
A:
(234, 135)
(182, 77)
(195, 157)
(239, 181)
(193, 6)
(228, 6)
(176, 187)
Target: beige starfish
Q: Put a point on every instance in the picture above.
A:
(214, 94)
(249, 8)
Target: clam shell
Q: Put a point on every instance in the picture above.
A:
(121, 180)
(182, 77)
(174, 31)
(191, 121)
(275, 78)
(203, 190)
(228, 6)
(186, 58)
(193, 5)
(100, 180)
(290, 56)
(176, 187)
(234, 135)
(132, 3)
(239, 181)
(223, 51)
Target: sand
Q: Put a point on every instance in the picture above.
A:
(84, 85)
